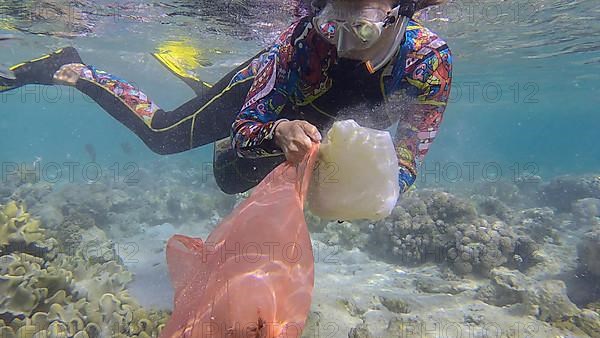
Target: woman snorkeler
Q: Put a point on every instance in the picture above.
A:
(272, 107)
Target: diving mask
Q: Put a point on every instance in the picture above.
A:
(361, 34)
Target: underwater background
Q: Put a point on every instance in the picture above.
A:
(512, 182)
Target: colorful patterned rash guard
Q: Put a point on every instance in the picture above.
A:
(301, 77)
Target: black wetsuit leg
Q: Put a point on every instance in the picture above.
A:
(235, 174)
(204, 119)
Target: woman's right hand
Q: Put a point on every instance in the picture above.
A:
(295, 138)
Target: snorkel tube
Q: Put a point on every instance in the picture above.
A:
(405, 11)
(376, 63)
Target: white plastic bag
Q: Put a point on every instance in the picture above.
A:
(357, 174)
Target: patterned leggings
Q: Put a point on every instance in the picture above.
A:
(205, 119)
(200, 121)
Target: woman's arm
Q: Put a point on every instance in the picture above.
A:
(254, 128)
(427, 78)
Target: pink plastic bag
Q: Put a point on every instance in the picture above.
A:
(254, 275)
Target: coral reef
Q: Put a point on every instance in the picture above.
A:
(90, 205)
(586, 212)
(522, 244)
(17, 227)
(523, 191)
(315, 223)
(68, 279)
(545, 300)
(549, 301)
(345, 234)
(539, 223)
(588, 251)
(502, 190)
(438, 226)
(492, 206)
(431, 285)
(48, 293)
(23, 183)
(123, 210)
(563, 191)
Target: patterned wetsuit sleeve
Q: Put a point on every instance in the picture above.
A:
(428, 74)
(253, 129)
(132, 97)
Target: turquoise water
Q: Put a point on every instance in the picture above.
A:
(525, 85)
(524, 102)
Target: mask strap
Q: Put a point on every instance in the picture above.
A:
(392, 17)
(407, 8)
(317, 5)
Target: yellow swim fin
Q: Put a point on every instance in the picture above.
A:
(181, 58)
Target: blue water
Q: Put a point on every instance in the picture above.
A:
(525, 87)
(524, 102)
